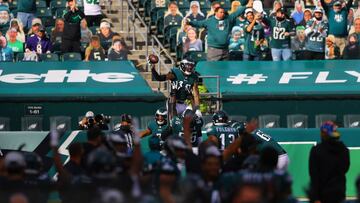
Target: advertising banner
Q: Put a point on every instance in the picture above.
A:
(290, 78)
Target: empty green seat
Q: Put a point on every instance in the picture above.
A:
(43, 12)
(183, 4)
(57, 4)
(40, 4)
(49, 57)
(31, 123)
(159, 15)
(71, 57)
(13, 5)
(225, 4)
(204, 5)
(195, 56)
(352, 121)
(297, 121)
(269, 121)
(60, 123)
(4, 124)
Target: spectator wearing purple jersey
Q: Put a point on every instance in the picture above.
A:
(38, 42)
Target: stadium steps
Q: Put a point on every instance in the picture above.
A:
(155, 85)
(138, 55)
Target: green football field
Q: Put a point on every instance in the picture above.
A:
(298, 168)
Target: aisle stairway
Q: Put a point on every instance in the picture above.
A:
(120, 15)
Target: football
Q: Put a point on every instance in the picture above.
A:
(153, 59)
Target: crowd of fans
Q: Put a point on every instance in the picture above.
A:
(248, 30)
(110, 167)
(81, 28)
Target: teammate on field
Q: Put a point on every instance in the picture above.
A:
(263, 141)
(177, 127)
(221, 133)
(158, 125)
(184, 85)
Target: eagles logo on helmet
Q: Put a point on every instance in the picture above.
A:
(160, 116)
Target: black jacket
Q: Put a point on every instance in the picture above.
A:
(352, 52)
(329, 161)
(72, 25)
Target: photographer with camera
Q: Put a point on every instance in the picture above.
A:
(90, 120)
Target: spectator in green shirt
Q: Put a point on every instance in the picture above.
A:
(337, 15)
(219, 28)
(13, 42)
(254, 36)
(282, 28)
(26, 12)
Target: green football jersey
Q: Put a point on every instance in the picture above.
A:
(264, 140)
(315, 40)
(181, 86)
(224, 133)
(257, 33)
(156, 129)
(278, 40)
(178, 129)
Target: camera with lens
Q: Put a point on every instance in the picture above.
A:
(102, 121)
(90, 122)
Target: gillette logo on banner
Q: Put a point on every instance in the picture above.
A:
(65, 76)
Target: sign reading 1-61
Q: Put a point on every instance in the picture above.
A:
(92, 1)
(32, 110)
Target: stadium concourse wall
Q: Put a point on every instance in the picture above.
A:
(297, 143)
(286, 87)
(45, 89)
